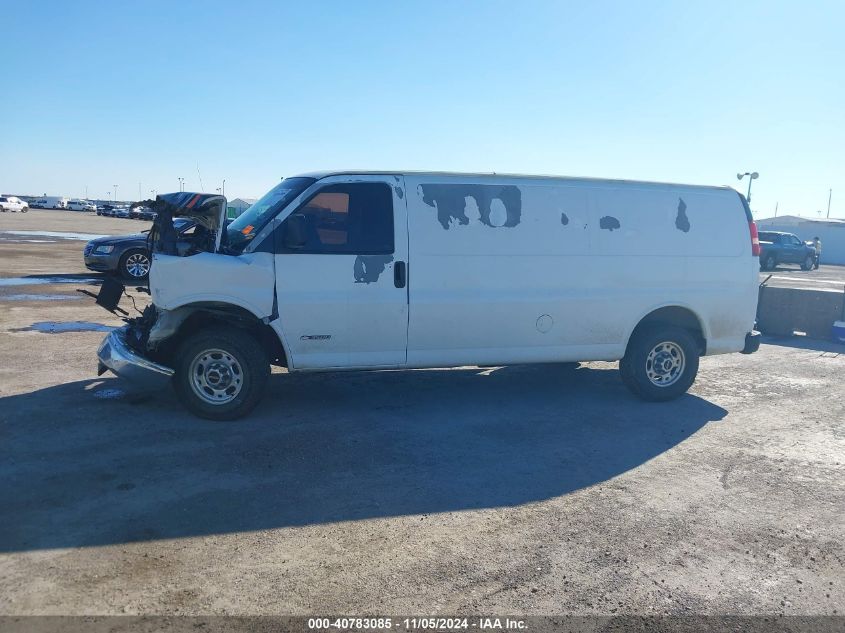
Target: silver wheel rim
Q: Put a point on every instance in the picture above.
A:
(216, 376)
(138, 265)
(665, 364)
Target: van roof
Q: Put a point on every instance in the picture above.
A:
(369, 172)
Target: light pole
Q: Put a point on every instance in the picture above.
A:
(829, 196)
(181, 184)
(115, 192)
(153, 191)
(223, 193)
(752, 175)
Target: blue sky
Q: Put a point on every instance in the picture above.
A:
(98, 93)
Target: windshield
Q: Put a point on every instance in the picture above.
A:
(246, 226)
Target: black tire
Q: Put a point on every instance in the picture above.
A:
(808, 263)
(636, 367)
(25, 209)
(770, 263)
(232, 346)
(132, 256)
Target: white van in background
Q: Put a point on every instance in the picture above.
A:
(77, 204)
(366, 270)
(50, 202)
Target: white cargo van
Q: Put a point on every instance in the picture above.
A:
(361, 270)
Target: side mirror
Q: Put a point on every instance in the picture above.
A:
(295, 231)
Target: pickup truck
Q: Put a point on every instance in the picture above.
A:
(13, 204)
(784, 248)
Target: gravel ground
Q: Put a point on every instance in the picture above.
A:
(519, 490)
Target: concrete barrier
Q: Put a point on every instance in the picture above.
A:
(784, 311)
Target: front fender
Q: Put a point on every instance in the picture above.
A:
(247, 281)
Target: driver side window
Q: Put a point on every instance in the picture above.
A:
(348, 218)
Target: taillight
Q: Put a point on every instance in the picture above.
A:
(755, 239)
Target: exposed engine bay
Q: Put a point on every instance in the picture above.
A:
(194, 278)
(206, 210)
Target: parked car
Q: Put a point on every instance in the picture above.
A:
(39, 204)
(126, 255)
(80, 205)
(142, 213)
(784, 248)
(105, 209)
(503, 270)
(13, 204)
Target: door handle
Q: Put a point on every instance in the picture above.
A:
(399, 274)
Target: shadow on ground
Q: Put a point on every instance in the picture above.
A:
(804, 342)
(81, 467)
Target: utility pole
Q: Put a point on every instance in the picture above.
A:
(776, 208)
(224, 188)
(115, 193)
(829, 196)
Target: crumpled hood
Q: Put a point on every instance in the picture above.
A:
(206, 209)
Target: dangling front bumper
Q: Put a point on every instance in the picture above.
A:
(115, 355)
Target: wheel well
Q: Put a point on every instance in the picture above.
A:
(674, 316)
(229, 315)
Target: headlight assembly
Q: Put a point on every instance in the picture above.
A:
(104, 249)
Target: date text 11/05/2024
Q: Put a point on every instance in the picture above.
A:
(417, 623)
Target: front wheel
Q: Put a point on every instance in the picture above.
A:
(25, 209)
(808, 263)
(220, 373)
(661, 363)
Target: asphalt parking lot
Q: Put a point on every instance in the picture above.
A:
(527, 490)
(791, 276)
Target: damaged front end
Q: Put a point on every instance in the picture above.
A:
(134, 351)
(195, 276)
(117, 355)
(128, 353)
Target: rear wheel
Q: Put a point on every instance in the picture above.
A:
(661, 363)
(769, 262)
(134, 265)
(220, 373)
